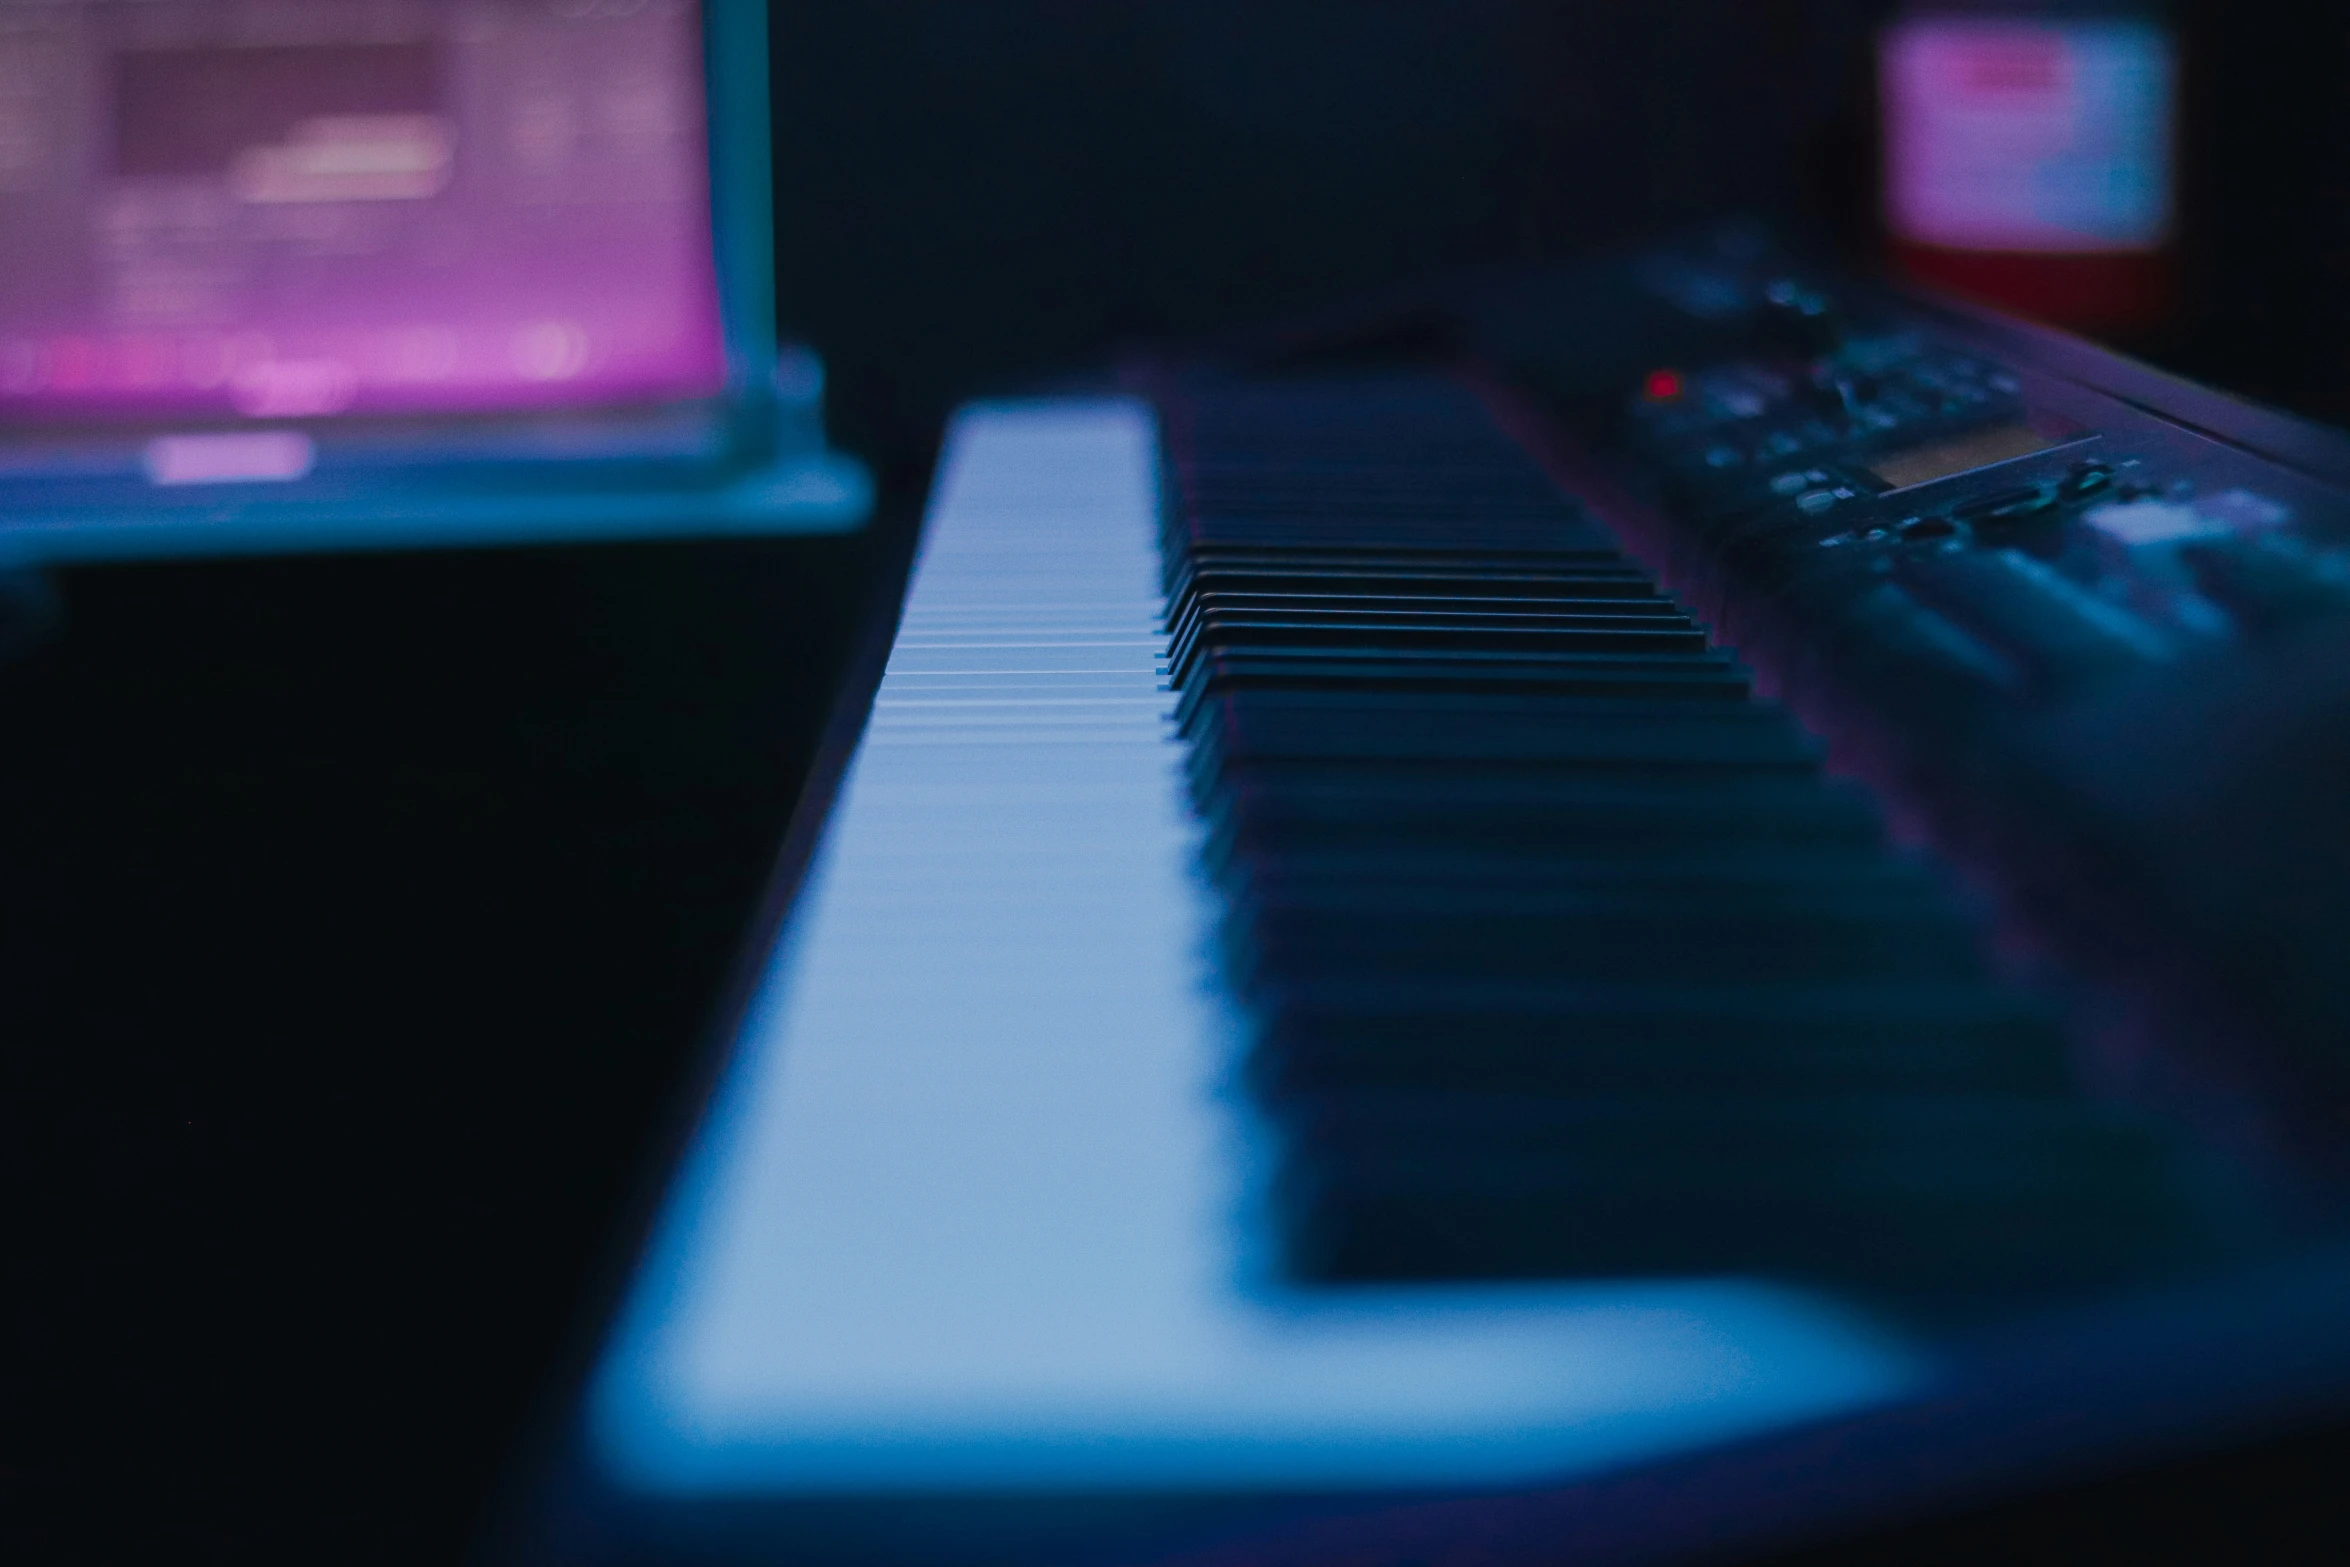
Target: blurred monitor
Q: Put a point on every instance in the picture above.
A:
(2028, 160)
(328, 273)
(263, 211)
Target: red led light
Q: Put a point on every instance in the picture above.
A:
(1661, 386)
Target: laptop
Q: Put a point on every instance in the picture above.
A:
(393, 273)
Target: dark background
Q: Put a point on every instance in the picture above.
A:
(972, 190)
(361, 918)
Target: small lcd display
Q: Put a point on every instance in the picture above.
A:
(352, 206)
(1960, 454)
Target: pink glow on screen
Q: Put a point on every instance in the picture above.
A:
(363, 206)
(2052, 137)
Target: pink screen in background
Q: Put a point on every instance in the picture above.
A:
(285, 210)
(2038, 136)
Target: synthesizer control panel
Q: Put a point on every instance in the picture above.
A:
(2065, 537)
(2080, 624)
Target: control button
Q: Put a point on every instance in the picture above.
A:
(1807, 317)
(2241, 511)
(1856, 536)
(1789, 483)
(2009, 505)
(1917, 529)
(2272, 581)
(2087, 478)
(2134, 524)
(1812, 502)
(1832, 391)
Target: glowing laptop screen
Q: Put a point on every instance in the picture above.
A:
(263, 209)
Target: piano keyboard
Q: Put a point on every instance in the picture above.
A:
(1564, 957)
(980, 1204)
(1322, 982)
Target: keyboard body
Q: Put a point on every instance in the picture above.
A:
(1411, 959)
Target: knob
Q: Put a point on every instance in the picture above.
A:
(1805, 317)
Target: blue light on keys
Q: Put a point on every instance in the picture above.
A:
(975, 1206)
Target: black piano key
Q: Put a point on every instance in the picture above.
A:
(1895, 1189)
(1221, 671)
(1552, 575)
(1329, 939)
(1491, 728)
(1610, 1037)
(1304, 803)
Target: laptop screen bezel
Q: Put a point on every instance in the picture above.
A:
(742, 212)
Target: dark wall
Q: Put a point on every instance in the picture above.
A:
(361, 921)
(2266, 167)
(976, 190)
